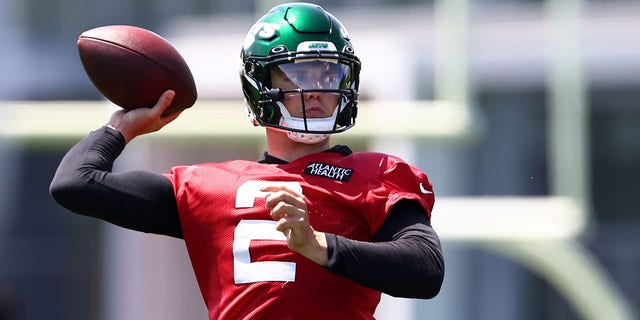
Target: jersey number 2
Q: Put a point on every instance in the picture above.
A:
(244, 270)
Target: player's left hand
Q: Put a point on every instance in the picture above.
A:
(289, 208)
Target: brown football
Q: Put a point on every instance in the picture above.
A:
(132, 67)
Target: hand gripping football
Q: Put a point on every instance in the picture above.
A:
(132, 67)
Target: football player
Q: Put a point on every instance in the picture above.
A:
(310, 231)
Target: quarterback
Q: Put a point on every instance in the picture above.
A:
(310, 231)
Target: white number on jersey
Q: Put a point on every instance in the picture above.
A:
(244, 270)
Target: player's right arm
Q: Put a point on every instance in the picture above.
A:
(137, 200)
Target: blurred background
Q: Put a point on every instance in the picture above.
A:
(524, 113)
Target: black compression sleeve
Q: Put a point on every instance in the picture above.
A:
(404, 261)
(137, 200)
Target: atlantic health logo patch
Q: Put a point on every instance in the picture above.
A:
(328, 171)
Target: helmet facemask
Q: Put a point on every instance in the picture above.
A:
(311, 95)
(300, 81)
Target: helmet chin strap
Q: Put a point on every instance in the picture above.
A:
(307, 138)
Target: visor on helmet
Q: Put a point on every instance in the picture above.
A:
(312, 75)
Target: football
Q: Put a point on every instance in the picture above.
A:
(132, 67)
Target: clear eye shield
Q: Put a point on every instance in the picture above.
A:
(311, 75)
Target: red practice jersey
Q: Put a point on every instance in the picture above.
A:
(243, 265)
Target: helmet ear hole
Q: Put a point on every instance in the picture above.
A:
(252, 68)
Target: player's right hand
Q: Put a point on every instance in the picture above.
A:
(140, 121)
(289, 210)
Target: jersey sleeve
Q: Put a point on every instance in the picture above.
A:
(396, 181)
(179, 176)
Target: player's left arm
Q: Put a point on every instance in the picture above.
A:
(405, 259)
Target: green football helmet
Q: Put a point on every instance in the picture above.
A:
(293, 36)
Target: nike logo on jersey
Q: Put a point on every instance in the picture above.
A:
(423, 190)
(328, 171)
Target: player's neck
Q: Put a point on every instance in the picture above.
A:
(281, 147)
